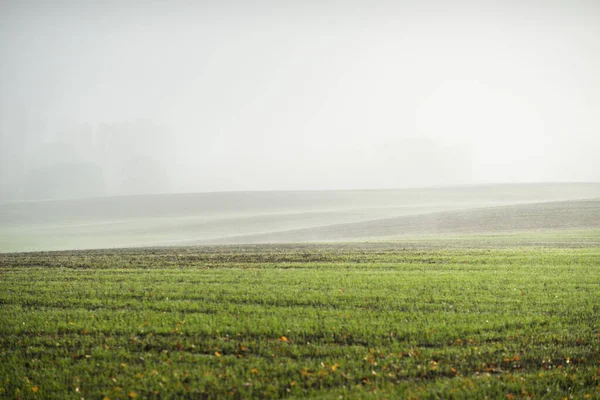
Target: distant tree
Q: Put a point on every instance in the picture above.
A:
(134, 156)
(64, 180)
(143, 175)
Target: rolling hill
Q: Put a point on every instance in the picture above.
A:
(240, 217)
(549, 216)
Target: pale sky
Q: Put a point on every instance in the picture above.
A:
(267, 95)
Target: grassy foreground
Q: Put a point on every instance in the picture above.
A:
(357, 320)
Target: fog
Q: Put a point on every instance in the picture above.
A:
(133, 97)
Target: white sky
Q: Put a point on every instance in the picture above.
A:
(296, 95)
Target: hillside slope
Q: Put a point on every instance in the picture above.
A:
(565, 215)
(133, 221)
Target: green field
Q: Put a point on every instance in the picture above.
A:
(503, 316)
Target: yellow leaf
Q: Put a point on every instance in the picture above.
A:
(284, 339)
(123, 365)
(434, 365)
(218, 354)
(106, 398)
(254, 370)
(293, 383)
(334, 367)
(133, 395)
(35, 389)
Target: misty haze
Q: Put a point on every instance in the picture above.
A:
(171, 98)
(272, 199)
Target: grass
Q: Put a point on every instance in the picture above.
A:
(380, 320)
